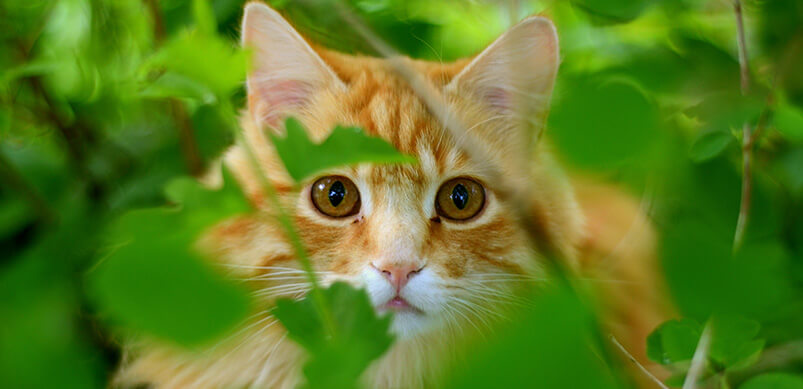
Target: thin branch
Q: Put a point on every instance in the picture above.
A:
(186, 138)
(699, 359)
(186, 134)
(747, 136)
(639, 365)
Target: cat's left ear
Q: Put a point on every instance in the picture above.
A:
(516, 73)
(287, 72)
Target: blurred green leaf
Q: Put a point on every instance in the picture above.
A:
(728, 110)
(337, 360)
(673, 341)
(204, 17)
(705, 278)
(201, 58)
(612, 11)
(548, 345)
(789, 121)
(732, 342)
(154, 281)
(710, 144)
(602, 123)
(344, 146)
(774, 381)
(171, 84)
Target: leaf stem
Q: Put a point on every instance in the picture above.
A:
(641, 367)
(699, 359)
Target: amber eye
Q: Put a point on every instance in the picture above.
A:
(460, 199)
(335, 196)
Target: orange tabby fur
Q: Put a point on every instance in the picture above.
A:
(602, 229)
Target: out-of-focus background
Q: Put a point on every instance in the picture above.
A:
(105, 102)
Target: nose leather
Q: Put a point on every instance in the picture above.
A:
(398, 274)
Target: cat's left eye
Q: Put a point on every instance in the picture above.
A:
(460, 199)
(335, 196)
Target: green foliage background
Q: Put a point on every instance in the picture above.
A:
(106, 106)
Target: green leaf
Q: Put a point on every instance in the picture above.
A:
(732, 343)
(154, 281)
(705, 277)
(551, 345)
(171, 84)
(710, 144)
(673, 341)
(774, 381)
(204, 17)
(789, 121)
(344, 146)
(612, 11)
(618, 122)
(359, 337)
(202, 58)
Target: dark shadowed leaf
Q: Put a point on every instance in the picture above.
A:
(710, 144)
(344, 146)
(612, 11)
(774, 381)
(338, 360)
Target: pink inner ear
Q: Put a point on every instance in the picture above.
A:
(275, 99)
(498, 98)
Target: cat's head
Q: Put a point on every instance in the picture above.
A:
(432, 241)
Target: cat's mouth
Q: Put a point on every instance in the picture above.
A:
(399, 304)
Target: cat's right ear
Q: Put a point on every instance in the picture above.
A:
(286, 71)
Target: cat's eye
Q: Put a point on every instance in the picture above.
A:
(460, 199)
(335, 196)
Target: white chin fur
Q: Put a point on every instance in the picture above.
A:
(422, 292)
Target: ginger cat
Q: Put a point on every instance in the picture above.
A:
(424, 240)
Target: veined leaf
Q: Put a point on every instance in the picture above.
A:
(344, 146)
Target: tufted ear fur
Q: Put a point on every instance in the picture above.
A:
(287, 72)
(514, 76)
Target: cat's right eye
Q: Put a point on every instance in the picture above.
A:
(335, 196)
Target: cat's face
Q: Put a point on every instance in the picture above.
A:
(432, 242)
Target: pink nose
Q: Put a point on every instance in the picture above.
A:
(398, 275)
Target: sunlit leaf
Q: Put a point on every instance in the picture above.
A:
(674, 341)
(732, 343)
(336, 360)
(548, 345)
(154, 281)
(344, 146)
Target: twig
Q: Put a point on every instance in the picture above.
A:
(186, 137)
(639, 365)
(186, 134)
(699, 358)
(747, 137)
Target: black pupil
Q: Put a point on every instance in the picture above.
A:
(459, 196)
(336, 193)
